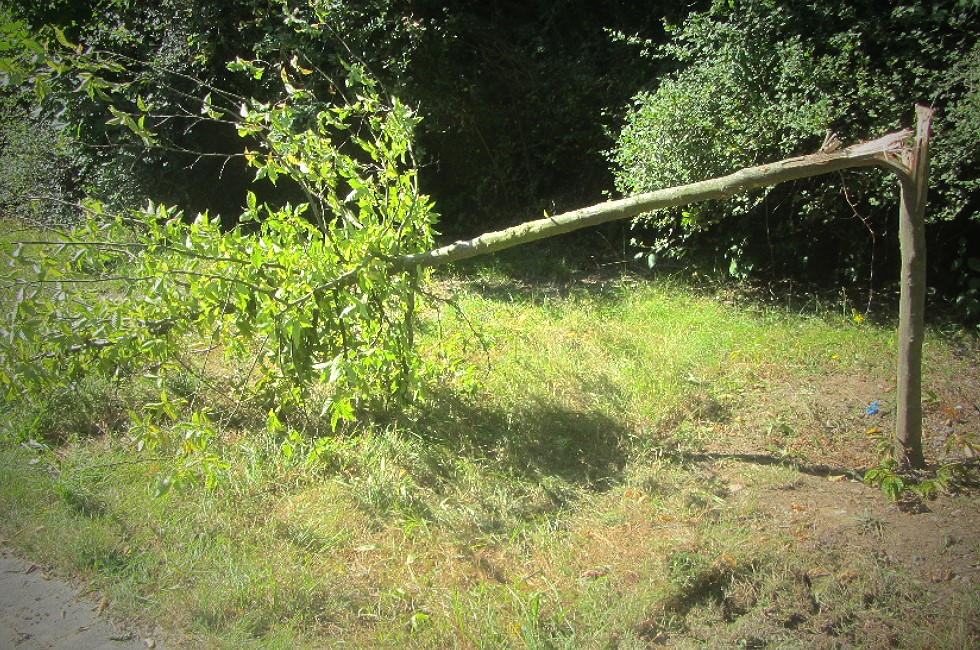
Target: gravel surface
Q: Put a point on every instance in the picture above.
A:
(37, 611)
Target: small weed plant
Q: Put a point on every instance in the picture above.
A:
(950, 473)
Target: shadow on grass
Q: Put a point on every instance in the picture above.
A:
(531, 440)
(818, 469)
(540, 438)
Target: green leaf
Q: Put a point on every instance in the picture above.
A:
(163, 486)
(342, 409)
(272, 422)
(60, 36)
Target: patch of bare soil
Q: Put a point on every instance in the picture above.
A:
(38, 611)
(869, 569)
(936, 542)
(857, 569)
(839, 419)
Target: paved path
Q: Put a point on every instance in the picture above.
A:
(37, 612)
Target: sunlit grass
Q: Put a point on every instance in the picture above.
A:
(553, 496)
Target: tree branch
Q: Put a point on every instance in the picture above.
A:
(888, 152)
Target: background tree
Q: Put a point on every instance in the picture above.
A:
(760, 80)
(200, 167)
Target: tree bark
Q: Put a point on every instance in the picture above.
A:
(911, 328)
(883, 152)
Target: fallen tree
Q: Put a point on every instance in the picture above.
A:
(908, 160)
(326, 292)
(888, 152)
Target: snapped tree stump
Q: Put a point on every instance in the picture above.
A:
(911, 320)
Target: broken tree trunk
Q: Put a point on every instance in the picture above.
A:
(891, 152)
(911, 328)
(884, 152)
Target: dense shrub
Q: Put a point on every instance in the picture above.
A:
(759, 81)
(38, 169)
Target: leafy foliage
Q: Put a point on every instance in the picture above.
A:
(174, 44)
(36, 168)
(515, 95)
(760, 81)
(301, 296)
(953, 471)
(36, 160)
(960, 152)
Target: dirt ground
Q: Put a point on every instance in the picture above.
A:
(934, 546)
(39, 611)
(933, 543)
(936, 541)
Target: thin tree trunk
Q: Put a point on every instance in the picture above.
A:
(911, 328)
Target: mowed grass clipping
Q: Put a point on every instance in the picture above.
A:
(555, 495)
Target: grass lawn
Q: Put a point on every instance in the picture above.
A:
(629, 461)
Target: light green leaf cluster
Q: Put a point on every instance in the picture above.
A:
(301, 301)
